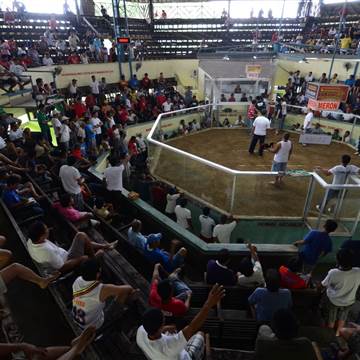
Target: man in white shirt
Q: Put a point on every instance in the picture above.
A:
(172, 196)
(308, 120)
(282, 152)
(113, 179)
(340, 175)
(251, 273)
(159, 342)
(15, 133)
(73, 89)
(56, 124)
(259, 128)
(309, 77)
(52, 257)
(341, 286)
(90, 295)
(183, 215)
(222, 232)
(95, 88)
(207, 224)
(47, 60)
(71, 181)
(167, 105)
(64, 134)
(283, 114)
(97, 124)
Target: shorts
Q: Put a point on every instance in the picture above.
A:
(354, 343)
(77, 248)
(333, 313)
(279, 166)
(195, 347)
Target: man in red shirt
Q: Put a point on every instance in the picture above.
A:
(142, 104)
(79, 108)
(74, 59)
(146, 81)
(171, 295)
(90, 101)
(123, 115)
(291, 276)
(160, 99)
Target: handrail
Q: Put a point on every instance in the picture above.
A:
(90, 26)
(223, 168)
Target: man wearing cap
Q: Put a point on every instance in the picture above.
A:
(169, 260)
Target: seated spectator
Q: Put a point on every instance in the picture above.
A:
(217, 271)
(351, 335)
(265, 301)
(135, 236)
(169, 260)
(47, 60)
(232, 98)
(183, 215)
(157, 342)
(281, 341)
(65, 207)
(336, 136)
(90, 295)
(341, 286)
(16, 134)
(222, 232)
(77, 347)
(53, 257)
(22, 201)
(104, 210)
(251, 273)
(316, 244)
(172, 296)
(207, 224)
(291, 275)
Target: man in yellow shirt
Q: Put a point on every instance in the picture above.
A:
(345, 43)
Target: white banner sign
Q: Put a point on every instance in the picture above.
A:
(321, 139)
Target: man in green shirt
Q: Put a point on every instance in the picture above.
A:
(43, 121)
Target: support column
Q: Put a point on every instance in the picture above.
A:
(117, 33)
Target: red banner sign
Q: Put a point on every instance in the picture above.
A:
(323, 105)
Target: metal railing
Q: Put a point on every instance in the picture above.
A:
(198, 177)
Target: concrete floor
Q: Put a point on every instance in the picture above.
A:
(255, 196)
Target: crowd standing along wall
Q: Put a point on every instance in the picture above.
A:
(184, 69)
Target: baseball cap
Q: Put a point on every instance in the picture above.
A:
(152, 238)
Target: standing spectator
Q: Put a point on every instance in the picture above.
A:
(134, 82)
(183, 215)
(309, 77)
(73, 89)
(43, 121)
(95, 89)
(163, 15)
(217, 271)
(171, 198)
(323, 79)
(113, 178)
(341, 285)
(282, 152)
(316, 244)
(222, 232)
(259, 128)
(97, 124)
(207, 225)
(73, 41)
(71, 181)
(265, 301)
(308, 121)
(65, 134)
(282, 115)
(340, 174)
